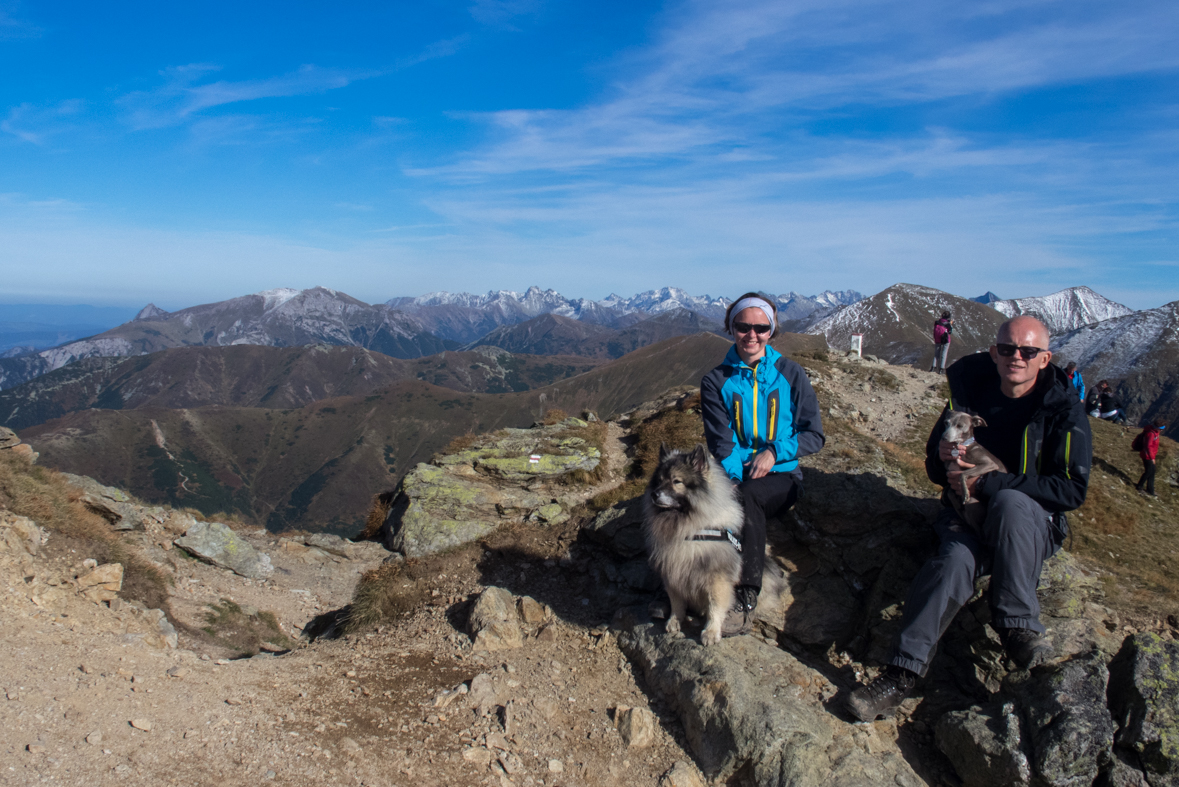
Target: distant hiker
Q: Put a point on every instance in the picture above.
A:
(1037, 427)
(1074, 376)
(942, 330)
(1104, 405)
(1147, 446)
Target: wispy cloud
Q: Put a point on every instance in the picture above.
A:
(185, 94)
(12, 26)
(502, 12)
(437, 49)
(39, 124)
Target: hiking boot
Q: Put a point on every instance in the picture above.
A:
(1025, 647)
(882, 696)
(739, 619)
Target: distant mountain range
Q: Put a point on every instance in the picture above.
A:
(291, 407)
(408, 327)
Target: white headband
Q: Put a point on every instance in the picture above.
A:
(756, 303)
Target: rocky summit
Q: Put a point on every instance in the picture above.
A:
(497, 624)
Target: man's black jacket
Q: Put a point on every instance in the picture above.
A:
(1056, 447)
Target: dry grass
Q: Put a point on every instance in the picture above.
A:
(377, 513)
(44, 496)
(1132, 538)
(554, 417)
(232, 627)
(459, 444)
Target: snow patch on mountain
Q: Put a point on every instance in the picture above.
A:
(1066, 310)
(1116, 347)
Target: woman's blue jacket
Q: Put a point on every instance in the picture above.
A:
(769, 405)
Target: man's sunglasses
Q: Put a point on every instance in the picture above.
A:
(1027, 353)
(745, 327)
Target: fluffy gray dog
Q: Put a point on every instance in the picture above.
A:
(692, 522)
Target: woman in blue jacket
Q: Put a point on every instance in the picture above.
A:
(760, 417)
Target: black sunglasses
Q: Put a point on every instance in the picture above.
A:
(1027, 353)
(745, 327)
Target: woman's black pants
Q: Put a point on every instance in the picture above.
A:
(763, 497)
(1147, 480)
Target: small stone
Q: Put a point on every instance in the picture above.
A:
(36, 748)
(141, 724)
(637, 727)
(349, 745)
(178, 672)
(681, 774)
(94, 738)
(556, 766)
(89, 563)
(270, 775)
(479, 756)
(87, 669)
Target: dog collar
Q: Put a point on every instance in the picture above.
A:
(711, 534)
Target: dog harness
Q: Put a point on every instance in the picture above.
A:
(711, 534)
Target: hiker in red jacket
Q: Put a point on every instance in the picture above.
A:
(1147, 444)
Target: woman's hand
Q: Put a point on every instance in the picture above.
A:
(762, 464)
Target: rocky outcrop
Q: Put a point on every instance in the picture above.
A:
(216, 543)
(514, 475)
(1144, 690)
(755, 712)
(123, 512)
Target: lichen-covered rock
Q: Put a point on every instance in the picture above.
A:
(753, 708)
(1066, 719)
(1144, 694)
(114, 505)
(493, 622)
(985, 746)
(511, 476)
(216, 543)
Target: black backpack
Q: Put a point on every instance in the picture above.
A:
(1138, 444)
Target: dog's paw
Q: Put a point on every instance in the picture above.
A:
(710, 637)
(672, 626)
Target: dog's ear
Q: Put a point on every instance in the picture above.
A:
(976, 421)
(699, 459)
(664, 451)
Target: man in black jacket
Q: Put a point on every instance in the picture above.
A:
(1038, 428)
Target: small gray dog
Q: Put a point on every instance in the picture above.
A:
(959, 429)
(692, 521)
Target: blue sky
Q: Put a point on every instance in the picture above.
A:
(187, 155)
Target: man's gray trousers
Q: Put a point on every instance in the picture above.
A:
(1017, 536)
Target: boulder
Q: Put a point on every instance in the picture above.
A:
(216, 543)
(1066, 720)
(985, 746)
(511, 476)
(752, 708)
(1144, 693)
(8, 438)
(114, 505)
(493, 623)
(619, 528)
